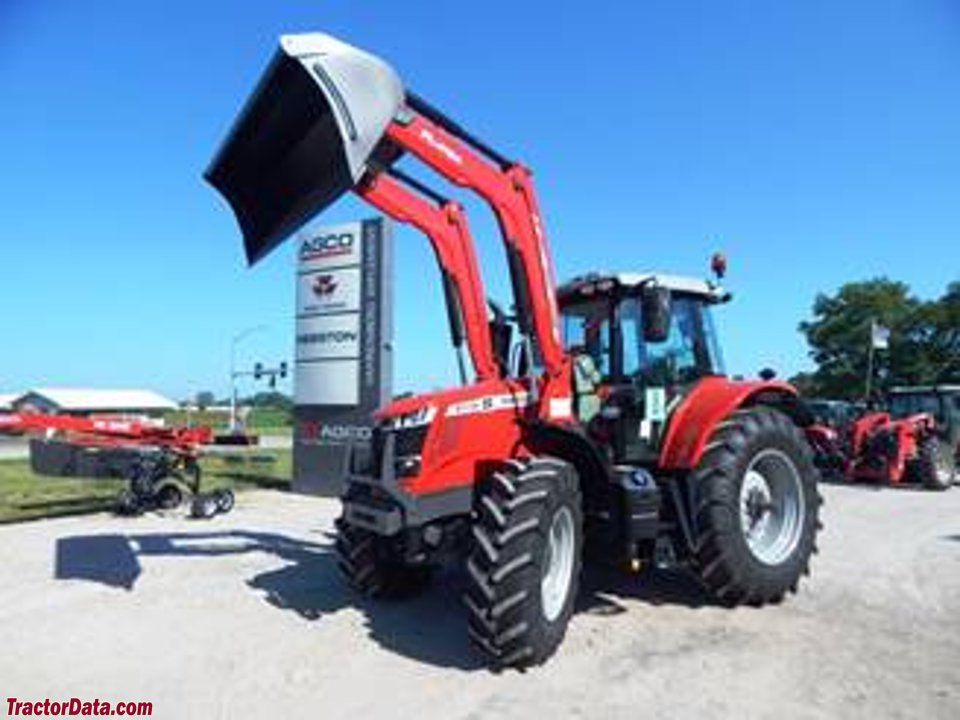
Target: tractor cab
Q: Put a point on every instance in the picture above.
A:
(638, 343)
(940, 401)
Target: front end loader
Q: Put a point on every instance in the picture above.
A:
(597, 422)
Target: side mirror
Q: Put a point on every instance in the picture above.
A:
(656, 311)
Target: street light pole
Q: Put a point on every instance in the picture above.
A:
(233, 371)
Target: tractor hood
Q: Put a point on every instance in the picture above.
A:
(304, 137)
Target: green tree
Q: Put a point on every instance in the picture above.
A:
(839, 338)
(944, 339)
(205, 399)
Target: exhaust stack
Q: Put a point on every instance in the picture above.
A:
(304, 137)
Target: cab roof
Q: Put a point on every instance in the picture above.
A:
(917, 389)
(626, 283)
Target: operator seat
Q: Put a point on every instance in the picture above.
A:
(586, 380)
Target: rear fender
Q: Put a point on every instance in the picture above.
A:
(709, 403)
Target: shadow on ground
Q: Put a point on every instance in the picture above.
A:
(428, 628)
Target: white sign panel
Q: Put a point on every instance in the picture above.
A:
(328, 336)
(329, 291)
(338, 246)
(328, 382)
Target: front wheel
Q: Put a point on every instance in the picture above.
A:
(757, 508)
(935, 466)
(524, 567)
(371, 565)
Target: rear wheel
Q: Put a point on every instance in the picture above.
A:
(757, 509)
(371, 564)
(935, 466)
(169, 495)
(525, 563)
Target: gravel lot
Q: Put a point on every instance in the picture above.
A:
(245, 616)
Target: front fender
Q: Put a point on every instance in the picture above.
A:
(710, 401)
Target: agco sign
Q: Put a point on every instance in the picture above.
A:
(342, 368)
(329, 245)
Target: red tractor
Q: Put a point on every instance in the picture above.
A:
(606, 423)
(904, 445)
(894, 451)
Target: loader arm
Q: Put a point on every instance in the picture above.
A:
(445, 224)
(509, 192)
(324, 117)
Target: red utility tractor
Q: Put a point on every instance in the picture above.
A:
(890, 451)
(940, 401)
(829, 435)
(606, 423)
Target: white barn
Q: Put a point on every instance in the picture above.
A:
(87, 401)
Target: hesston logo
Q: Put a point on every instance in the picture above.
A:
(328, 337)
(324, 246)
(324, 285)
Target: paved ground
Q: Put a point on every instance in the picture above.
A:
(14, 448)
(245, 616)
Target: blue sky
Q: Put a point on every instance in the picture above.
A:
(813, 142)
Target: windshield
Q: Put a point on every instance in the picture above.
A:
(905, 404)
(689, 352)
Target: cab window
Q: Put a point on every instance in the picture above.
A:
(586, 330)
(684, 357)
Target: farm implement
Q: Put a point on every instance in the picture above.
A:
(163, 468)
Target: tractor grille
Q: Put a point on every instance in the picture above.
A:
(408, 442)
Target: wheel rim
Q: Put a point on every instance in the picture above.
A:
(771, 507)
(943, 468)
(558, 564)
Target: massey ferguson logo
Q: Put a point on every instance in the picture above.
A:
(324, 246)
(324, 286)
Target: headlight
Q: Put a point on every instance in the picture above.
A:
(416, 418)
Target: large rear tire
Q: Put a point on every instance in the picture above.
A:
(757, 510)
(524, 566)
(934, 466)
(371, 566)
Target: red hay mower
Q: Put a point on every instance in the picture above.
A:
(165, 467)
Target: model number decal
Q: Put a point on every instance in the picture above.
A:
(490, 403)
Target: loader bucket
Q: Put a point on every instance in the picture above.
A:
(304, 137)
